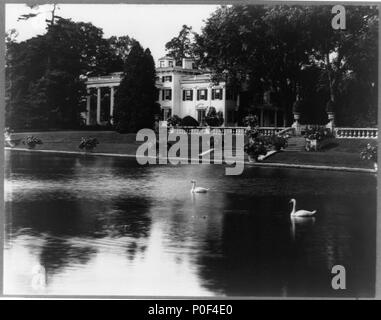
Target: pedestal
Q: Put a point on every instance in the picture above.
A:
(296, 124)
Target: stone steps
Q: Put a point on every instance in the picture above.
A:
(296, 144)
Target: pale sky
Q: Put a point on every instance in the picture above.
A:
(151, 25)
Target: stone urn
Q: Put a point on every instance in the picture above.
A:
(296, 124)
(331, 120)
(251, 158)
(311, 144)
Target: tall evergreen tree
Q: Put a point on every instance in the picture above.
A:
(181, 46)
(135, 100)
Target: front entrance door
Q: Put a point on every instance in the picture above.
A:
(165, 113)
(201, 116)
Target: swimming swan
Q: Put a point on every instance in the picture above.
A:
(198, 189)
(300, 213)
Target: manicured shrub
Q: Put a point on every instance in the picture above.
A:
(88, 144)
(318, 133)
(256, 145)
(255, 148)
(31, 142)
(278, 142)
(174, 121)
(213, 118)
(250, 121)
(189, 121)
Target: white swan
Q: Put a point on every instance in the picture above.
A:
(198, 189)
(300, 213)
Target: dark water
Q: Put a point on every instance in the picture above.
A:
(97, 225)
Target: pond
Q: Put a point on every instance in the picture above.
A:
(108, 226)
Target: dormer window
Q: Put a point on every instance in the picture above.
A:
(162, 64)
(170, 63)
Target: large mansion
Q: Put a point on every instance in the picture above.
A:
(183, 91)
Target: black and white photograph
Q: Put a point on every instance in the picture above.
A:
(190, 150)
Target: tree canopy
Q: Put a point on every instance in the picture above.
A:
(181, 46)
(279, 48)
(45, 75)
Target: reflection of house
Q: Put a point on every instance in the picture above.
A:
(184, 91)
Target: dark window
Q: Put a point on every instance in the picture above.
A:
(167, 94)
(187, 95)
(216, 94)
(166, 78)
(162, 64)
(170, 63)
(157, 94)
(231, 114)
(202, 94)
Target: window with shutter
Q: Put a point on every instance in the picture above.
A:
(167, 94)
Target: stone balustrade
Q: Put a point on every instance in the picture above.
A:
(266, 131)
(213, 130)
(356, 133)
(270, 131)
(340, 133)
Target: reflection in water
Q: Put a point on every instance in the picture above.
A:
(93, 225)
(300, 223)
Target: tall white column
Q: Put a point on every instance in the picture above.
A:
(112, 104)
(98, 105)
(88, 107)
(209, 96)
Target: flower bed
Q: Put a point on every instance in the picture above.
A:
(31, 142)
(258, 144)
(88, 144)
(317, 137)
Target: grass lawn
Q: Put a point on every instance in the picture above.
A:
(337, 152)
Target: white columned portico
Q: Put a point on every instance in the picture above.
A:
(99, 83)
(112, 104)
(98, 105)
(88, 97)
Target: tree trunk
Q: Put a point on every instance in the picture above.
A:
(330, 78)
